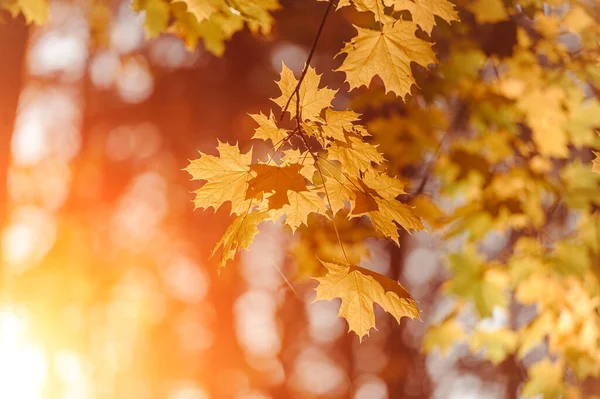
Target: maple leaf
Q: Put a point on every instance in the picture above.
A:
(338, 122)
(388, 54)
(488, 11)
(304, 159)
(389, 213)
(443, 336)
(545, 115)
(301, 204)
(227, 178)
(337, 191)
(256, 13)
(312, 99)
(596, 162)
(360, 289)
(267, 128)
(34, 11)
(385, 186)
(239, 235)
(546, 380)
(374, 6)
(354, 155)
(423, 11)
(473, 280)
(157, 15)
(203, 9)
(277, 180)
(497, 344)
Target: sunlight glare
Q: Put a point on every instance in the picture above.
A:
(22, 363)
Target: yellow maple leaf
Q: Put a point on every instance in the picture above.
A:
(596, 162)
(546, 116)
(227, 177)
(497, 344)
(488, 11)
(375, 6)
(354, 155)
(255, 12)
(338, 122)
(428, 210)
(337, 190)
(360, 289)
(423, 11)
(312, 99)
(34, 11)
(389, 213)
(301, 204)
(239, 235)
(475, 280)
(267, 128)
(203, 9)
(301, 158)
(577, 19)
(276, 180)
(443, 336)
(385, 185)
(388, 54)
(545, 380)
(157, 12)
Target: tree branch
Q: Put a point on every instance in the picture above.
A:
(308, 59)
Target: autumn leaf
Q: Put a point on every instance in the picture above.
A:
(312, 99)
(337, 190)
(496, 345)
(488, 11)
(276, 180)
(424, 11)
(203, 9)
(355, 155)
(337, 123)
(546, 380)
(227, 177)
(304, 159)
(474, 280)
(301, 204)
(157, 15)
(35, 11)
(385, 185)
(390, 213)
(388, 54)
(443, 336)
(596, 162)
(239, 235)
(267, 129)
(359, 289)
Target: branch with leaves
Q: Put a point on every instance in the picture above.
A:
(335, 168)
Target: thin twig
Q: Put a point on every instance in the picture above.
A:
(310, 55)
(284, 277)
(316, 160)
(428, 167)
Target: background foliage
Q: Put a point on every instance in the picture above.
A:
(475, 122)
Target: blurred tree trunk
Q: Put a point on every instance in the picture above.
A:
(405, 374)
(13, 39)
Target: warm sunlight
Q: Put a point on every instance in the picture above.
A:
(22, 362)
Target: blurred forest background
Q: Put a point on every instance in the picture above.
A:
(108, 289)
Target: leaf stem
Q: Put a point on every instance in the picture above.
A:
(308, 59)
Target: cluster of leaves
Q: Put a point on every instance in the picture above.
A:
(34, 11)
(326, 163)
(213, 21)
(506, 118)
(509, 129)
(322, 166)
